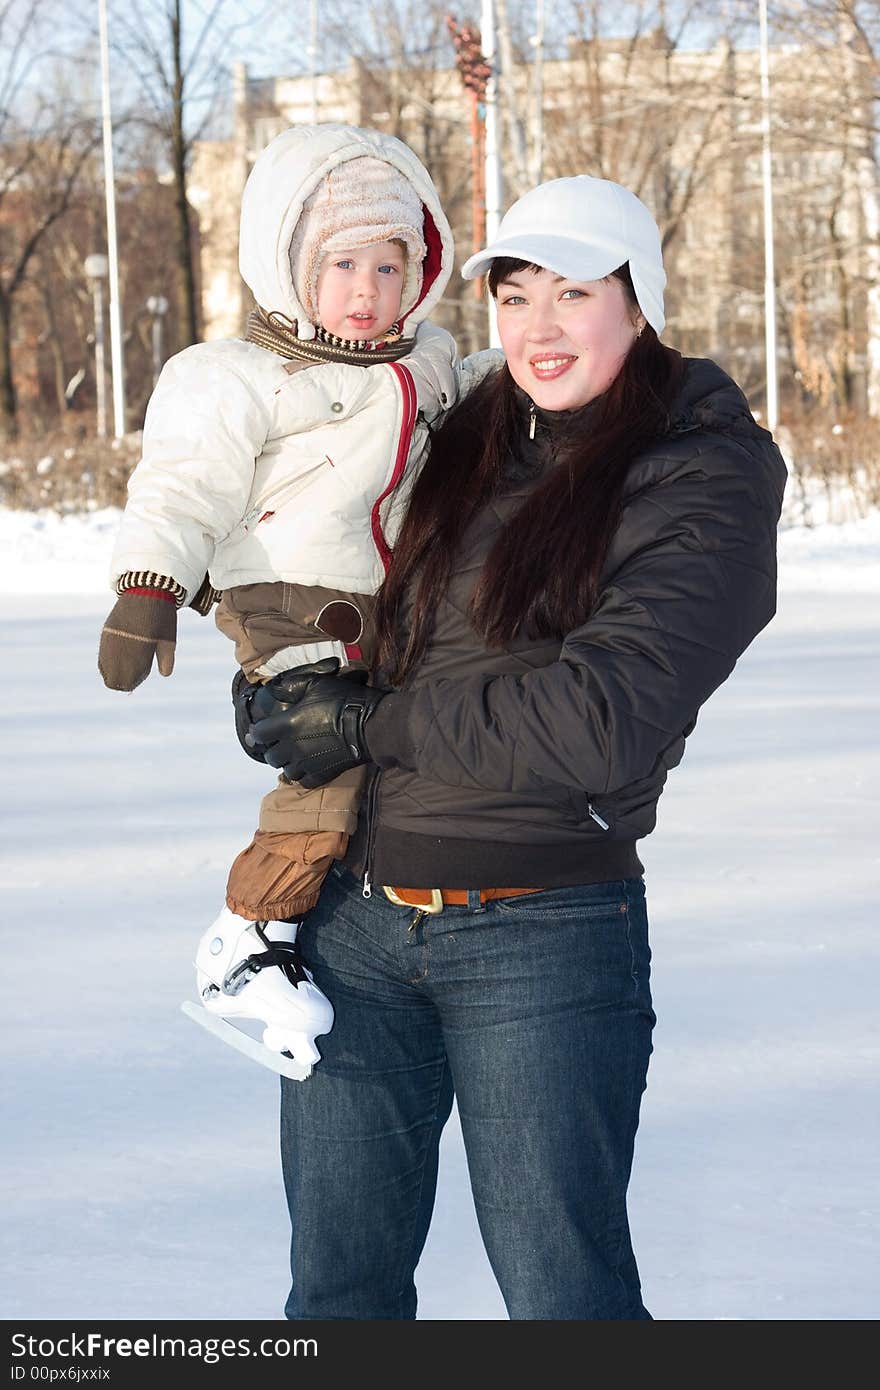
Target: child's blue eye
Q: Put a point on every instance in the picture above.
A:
(388, 269)
(575, 294)
(344, 265)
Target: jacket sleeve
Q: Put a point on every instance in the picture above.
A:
(433, 362)
(204, 427)
(476, 366)
(689, 582)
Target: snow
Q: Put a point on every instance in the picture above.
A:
(142, 1179)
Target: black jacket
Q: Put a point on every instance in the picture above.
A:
(541, 764)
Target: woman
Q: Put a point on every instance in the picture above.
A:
(588, 551)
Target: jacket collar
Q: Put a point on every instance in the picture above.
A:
(709, 399)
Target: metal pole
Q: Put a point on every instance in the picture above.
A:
(117, 365)
(313, 56)
(477, 169)
(493, 164)
(157, 348)
(100, 370)
(157, 305)
(96, 266)
(538, 95)
(769, 268)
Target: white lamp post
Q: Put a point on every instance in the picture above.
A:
(492, 159)
(157, 305)
(312, 52)
(537, 42)
(769, 270)
(117, 363)
(96, 268)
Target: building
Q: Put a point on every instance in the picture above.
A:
(683, 130)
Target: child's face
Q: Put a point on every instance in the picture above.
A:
(359, 291)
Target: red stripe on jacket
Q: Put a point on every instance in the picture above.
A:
(410, 411)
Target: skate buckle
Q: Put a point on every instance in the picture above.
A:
(242, 974)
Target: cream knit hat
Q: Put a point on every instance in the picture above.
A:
(360, 202)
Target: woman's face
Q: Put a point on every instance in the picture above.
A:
(564, 340)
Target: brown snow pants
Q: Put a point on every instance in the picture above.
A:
(300, 831)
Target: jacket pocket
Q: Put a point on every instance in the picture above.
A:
(599, 818)
(580, 808)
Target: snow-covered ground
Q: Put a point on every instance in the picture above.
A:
(141, 1176)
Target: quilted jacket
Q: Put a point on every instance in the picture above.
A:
(541, 764)
(255, 475)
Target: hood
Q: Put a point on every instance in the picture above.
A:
(285, 173)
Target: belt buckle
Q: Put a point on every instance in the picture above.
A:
(430, 909)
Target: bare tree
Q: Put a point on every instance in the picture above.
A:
(401, 54)
(178, 56)
(663, 96)
(46, 141)
(829, 276)
(58, 306)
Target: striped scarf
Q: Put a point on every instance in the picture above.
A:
(278, 334)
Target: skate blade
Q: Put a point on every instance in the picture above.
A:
(244, 1043)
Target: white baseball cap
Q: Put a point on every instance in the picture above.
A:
(583, 228)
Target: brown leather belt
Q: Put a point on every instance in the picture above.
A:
(433, 900)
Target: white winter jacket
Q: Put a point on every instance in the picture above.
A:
(251, 474)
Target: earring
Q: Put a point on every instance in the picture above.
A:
(641, 328)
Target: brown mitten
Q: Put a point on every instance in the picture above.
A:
(138, 627)
(280, 873)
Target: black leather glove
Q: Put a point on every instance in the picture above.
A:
(311, 722)
(243, 692)
(251, 703)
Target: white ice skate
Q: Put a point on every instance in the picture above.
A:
(253, 970)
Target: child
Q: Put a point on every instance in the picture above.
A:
(277, 470)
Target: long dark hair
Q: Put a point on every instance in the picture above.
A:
(541, 575)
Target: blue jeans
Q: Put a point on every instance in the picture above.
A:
(535, 1013)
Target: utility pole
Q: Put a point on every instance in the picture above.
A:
(518, 171)
(864, 190)
(769, 266)
(157, 306)
(313, 56)
(493, 163)
(538, 96)
(116, 360)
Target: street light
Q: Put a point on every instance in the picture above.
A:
(767, 184)
(312, 53)
(537, 42)
(116, 355)
(157, 305)
(97, 268)
(491, 150)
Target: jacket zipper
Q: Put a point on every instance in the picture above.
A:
(371, 825)
(594, 815)
(410, 411)
(407, 425)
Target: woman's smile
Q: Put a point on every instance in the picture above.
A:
(548, 368)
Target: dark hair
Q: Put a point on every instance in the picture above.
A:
(541, 576)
